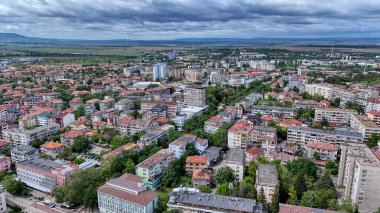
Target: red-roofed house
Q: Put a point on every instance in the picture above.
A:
(202, 177)
(326, 151)
(252, 154)
(52, 148)
(196, 163)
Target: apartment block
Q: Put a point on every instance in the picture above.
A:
(42, 174)
(359, 174)
(22, 153)
(236, 161)
(364, 126)
(240, 135)
(302, 135)
(325, 90)
(5, 163)
(151, 169)
(266, 136)
(279, 112)
(326, 151)
(374, 116)
(334, 116)
(267, 179)
(23, 136)
(196, 163)
(195, 96)
(3, 203)
(126, 194)
(191, 200)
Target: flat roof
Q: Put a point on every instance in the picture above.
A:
(236, 155)
(267, 175)
(41, 164)
(323, 131)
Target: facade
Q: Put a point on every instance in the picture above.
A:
(3, 203)
(375, 117)
(334, 115)
(278, 112)
(42, 174)
(240, 135)
(235, 160)
(5, 164)
(159, 71)
(190, 200)
(22, 153)
(287, 208)
(195, 96)
(201, 177)
(196, 163)
(151, 169)
(364, 126)
(326, 151)
(302, 135)
(23, 136)
(325, 90)
(267, 179)
(252, 154)
(126, 194)
(52, 148)
(359, 174)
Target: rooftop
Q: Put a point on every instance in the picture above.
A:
(41, 164)
(155, 159)
(366, 122)
(287, 208)
(236, 155)
(267, 175)
(196, 159)
(321, 145)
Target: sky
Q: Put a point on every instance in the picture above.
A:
(171, 19)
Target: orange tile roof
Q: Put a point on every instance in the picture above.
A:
(255, 151)
(196, 159)
(204, 174)
(52, 145)
(321, 145)
(240, 126)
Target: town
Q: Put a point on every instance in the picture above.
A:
(221, 129)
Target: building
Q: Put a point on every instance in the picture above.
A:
(325, 90)
(373, 104)
(326, 151)
(42, 174)
(191, 200)
(359, 174)
(202, 177)
(364, 126)
(52, 149)
(64, 119)
(278, 112)
(267, 179)
(335, 116)
(151, 169)
(195, 96)
(5, 164)
(375, 117)
(287, 208)
(159, 71)
(3, 203)
(235, 160)
(126, 194)
(301, 135)
(23, 136)
(196, 163)
(178, 146)
(252, 154)
(240, 135)
(22, 153)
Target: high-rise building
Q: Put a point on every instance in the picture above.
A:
(195, 96)
(159, 71)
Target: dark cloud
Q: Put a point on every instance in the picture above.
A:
(190, 18)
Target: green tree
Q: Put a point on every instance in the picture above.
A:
(170, 176)
(302, 165)
(324, 196)
(129, 167)
(81, 144)
(261, 197)
(293, 199)
(223, 189)
(324, 122)
(15, 187)
(309, 199)
(332, 167)
(316, 155)
(225, 175)
(300, 185)
(325, 182)
(80, 112)
(205, 189)
(373, 140)
(163, 199)
(333, 205)
(275, 204)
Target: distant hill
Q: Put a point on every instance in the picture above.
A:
(17, 39)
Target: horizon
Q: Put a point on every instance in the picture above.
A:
(177, 19)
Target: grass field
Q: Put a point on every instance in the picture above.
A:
(79, 50)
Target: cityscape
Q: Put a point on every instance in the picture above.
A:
(189, 106)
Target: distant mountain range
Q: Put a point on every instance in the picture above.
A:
(16, 39)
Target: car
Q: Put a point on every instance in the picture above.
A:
(51, 205)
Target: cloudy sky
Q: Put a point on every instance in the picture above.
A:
(169, 19)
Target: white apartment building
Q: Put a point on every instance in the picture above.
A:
(267, 179)
(359, 174)
(372, 104)
(151, 169)
(301, 135)
(3, 203)
(5, 115)
(236, 160)
(195, 96)
(334, 115)
(325, 90)
(22, 153)
(364, 126)
(126, 194)
(240, 135)
(23, 136)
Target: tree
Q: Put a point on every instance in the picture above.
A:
(293, 199)
(325, 182)
(316, 155)
(300, 185)
(324, 196)
(249, 190)
(205, 189)
(15, 187)
(170, 176)
(36, 143)
(310, 199)
(81, 144)
(225, 175)
(261, 197)
(275, 204)
(163, 199)
(223, 189)
(324, 122)
(80, 112)
(302, 165)
(129, 167)
(373, 140)
(333, 205)
(332, 167)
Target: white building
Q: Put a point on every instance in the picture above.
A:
(267, 179)
(359, 174)
(126, 194)
(334, 115)
(364, 126)
(3, 203)
(326, 151)
(195, 96)
(236, 160)
(159, 71)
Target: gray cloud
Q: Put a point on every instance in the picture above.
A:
(151, 19)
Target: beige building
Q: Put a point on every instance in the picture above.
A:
(364, 126)
(195, 96)
(267, 179)
(334, 115)
(359, 174)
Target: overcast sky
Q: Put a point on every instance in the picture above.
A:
(169, 19)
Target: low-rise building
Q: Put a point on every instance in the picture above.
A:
(325, 151)
(151, 169)
(252, 154)
(5, 164)
(191, 200)
(42, 174)
(236, 161)
(52, 149)
(201, 177)
(126, 194)
(22, 153)
(374, 116)
(267, 179)
(196, 163)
